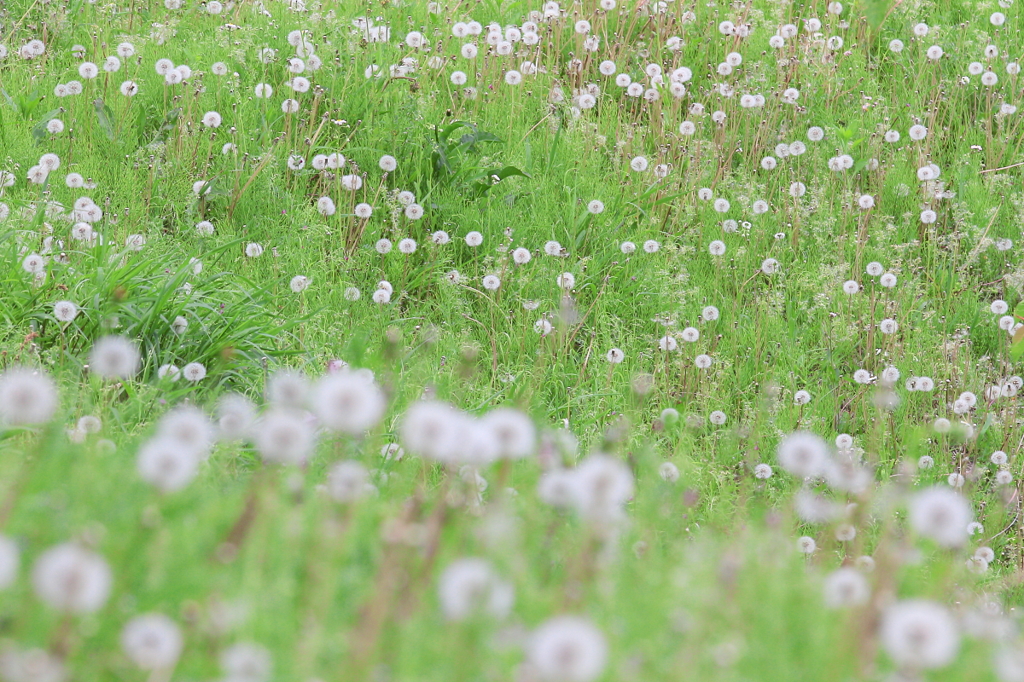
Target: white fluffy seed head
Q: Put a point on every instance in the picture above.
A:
(846, 587)
(27, 397)
(919, 635)
(152, 641)
(469, 587)
(236, 415)
(167, 465)
(567, 649)
(284, 436)
(348, 403)
(940, 514)
(602, 484)
(803, 454)
(513, 431)
(72, 579)
(194, 372)
(668, 472)
(246, 662)
(348, 482)
(287, 388)
(114, 357)
(430, 429)
(188, 427)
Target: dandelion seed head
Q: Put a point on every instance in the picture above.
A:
(72, 579)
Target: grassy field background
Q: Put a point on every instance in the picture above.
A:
(701, 577)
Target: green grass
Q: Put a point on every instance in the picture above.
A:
(703, 581)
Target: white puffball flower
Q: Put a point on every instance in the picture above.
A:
(639, 164)
(513, 431)
(212, 119)
(114, 357)
(348, 482)
(669, 472)
(167, 465)
(940, 514)
(246, 662)
(567, 649)
(194, 372)
(803, 454)
(919, 634)
(521, 256)
(152, 641)
(284, 436)
(347, 403)
(72, 579)
(469, 587)
(846, 587)
(27, 397)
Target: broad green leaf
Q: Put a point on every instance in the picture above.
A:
(1017, 345)
(105, 117)
(507, 172)
(170, 120)
(470, 139)
(452, 127)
